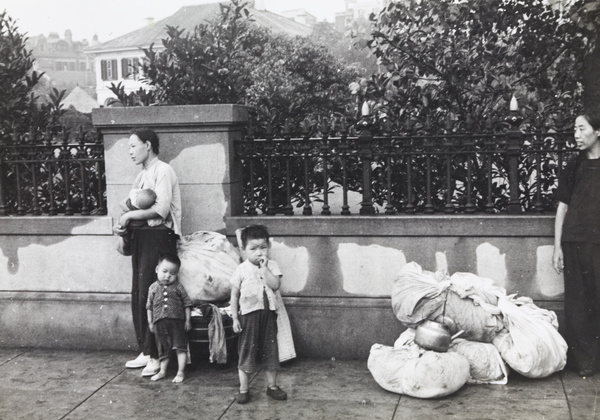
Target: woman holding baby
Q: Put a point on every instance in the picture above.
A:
(153, 231)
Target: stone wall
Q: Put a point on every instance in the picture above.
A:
(62, 283)
(339, 271)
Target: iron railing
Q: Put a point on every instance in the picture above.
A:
(509, 171)
(49, 175)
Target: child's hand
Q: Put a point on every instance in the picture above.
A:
(262, 261)
(124, 220)
(237, 327)
(188, 325)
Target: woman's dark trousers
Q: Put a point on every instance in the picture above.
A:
(146, 245)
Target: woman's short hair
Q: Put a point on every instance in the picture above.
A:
(146, 134)
(593, 118)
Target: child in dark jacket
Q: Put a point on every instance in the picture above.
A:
(169, 315)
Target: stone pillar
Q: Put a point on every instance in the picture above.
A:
(197, 141)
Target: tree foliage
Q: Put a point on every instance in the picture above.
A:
(350, 47)
(449, 60)
(586, 15)
(232, 60)
(19, 110)
(292, 79)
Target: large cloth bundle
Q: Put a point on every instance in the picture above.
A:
(208, 261)
(531, 343)
(468, 300)
(410, 370)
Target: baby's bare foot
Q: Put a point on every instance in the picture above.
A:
(158, 376)
(179, 377)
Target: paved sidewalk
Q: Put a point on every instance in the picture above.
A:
(67, 384)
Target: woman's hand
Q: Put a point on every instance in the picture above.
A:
(151, 327)
(558, 259)
(188, 325)
(237, 326)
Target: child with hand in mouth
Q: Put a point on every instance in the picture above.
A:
(253, 305)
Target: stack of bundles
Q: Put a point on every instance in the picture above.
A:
(498, 330)
(208, 261)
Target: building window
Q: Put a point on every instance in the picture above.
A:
(130, 68)
(109, 70)
(61, 66)
(71, 66)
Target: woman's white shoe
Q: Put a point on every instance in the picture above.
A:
(140, 361)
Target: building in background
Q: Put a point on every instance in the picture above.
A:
(118, 60)
(79, 100)
(300, 16)
(356, 9)
(64, 61)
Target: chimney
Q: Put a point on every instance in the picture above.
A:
(69, 36)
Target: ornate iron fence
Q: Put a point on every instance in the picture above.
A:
(509, 171)
(50, 175)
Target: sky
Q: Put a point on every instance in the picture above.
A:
(112, 18)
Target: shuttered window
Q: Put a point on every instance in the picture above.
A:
(109, 69)
(130, 68)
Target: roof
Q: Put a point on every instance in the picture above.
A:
(80, 100)
(188, 17)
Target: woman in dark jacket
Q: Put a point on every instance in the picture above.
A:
(577, 245)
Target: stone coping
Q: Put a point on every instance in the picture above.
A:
(402, 225)
(169, 116)
(44, 296)
(56, 225)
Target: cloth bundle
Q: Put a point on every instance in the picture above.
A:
(208, 261)
(412, 371)
(531, 343)
(418, 295)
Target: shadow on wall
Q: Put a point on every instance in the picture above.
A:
(370, 270)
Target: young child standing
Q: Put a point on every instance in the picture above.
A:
(253, 311)
(169, 315)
